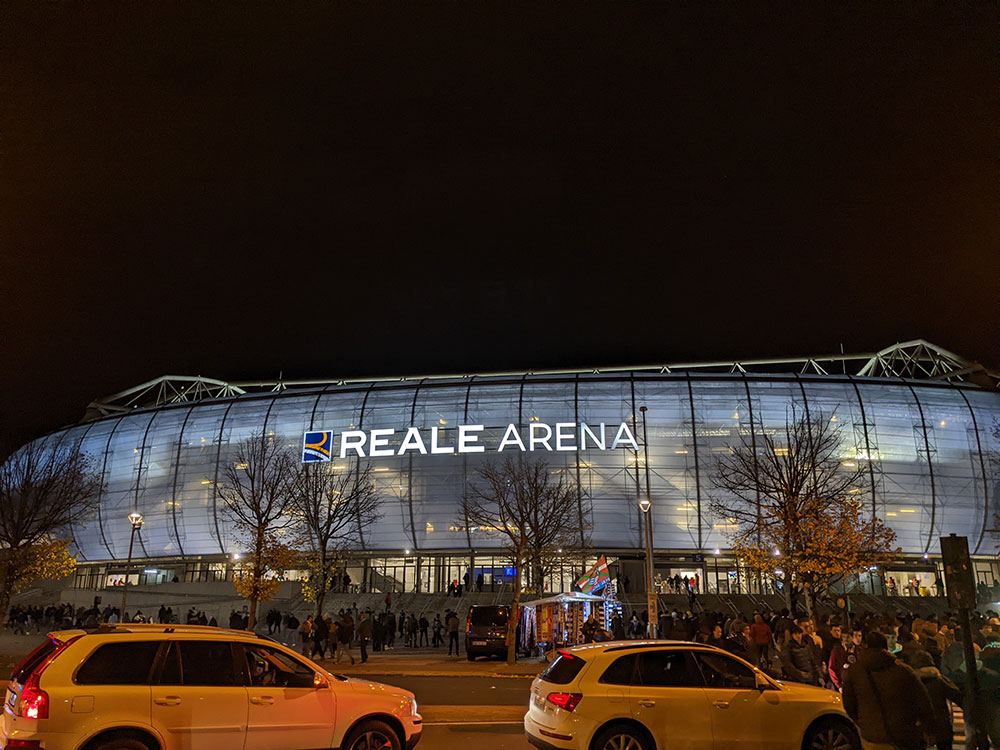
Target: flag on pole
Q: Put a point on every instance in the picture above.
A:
(596, 579)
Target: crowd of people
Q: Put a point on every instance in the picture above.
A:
(898, 673)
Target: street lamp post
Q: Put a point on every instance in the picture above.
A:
(134, 518)
(645, 504)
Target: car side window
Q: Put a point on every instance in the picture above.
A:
(268, 666)
(199, 663)
(672, 668)
(722, 671)
(127, 663)
(620, 671)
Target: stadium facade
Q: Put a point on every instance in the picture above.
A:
(922, 420)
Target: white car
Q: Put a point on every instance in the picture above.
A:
(654, 695)
(183, 687)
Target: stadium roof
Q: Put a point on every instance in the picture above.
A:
(917, 360)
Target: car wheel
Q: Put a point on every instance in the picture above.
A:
(470, 656)
(832, 735)
(622, 737)
(119, 742)
(372, 735)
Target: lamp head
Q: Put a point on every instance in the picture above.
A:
(135, 519)
(644, 505)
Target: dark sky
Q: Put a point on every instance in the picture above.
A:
(323, 189)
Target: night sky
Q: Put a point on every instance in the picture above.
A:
(322, 189)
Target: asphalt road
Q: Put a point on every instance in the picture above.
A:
(463, 712)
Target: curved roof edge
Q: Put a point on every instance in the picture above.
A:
(916, 360)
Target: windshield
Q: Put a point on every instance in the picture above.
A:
(489, 616)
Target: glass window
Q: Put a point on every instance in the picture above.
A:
(722, 671)
(489, 616)
(268, 666)
(620, 671)
(199, 663)
(563, 670)
(119, 664)
(666, 669)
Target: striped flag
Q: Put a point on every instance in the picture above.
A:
(596, 579)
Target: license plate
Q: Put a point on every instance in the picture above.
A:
(479, 643)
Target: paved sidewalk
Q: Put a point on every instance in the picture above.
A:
(431, 662)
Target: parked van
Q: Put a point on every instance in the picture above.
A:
(486, 631)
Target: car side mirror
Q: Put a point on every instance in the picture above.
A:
(320, 682)
(762, 682)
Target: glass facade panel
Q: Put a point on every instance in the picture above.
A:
(932, 474)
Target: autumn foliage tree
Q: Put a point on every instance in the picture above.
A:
(257, 492)
(799, 511)
(43, 491)
(533, 511)
(334, 506)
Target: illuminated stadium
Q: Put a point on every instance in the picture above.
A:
(922, 419)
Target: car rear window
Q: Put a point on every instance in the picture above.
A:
(23, 670)
(119, 664)
(488, 616)
(563, 670)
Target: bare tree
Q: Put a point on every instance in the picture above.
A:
(798, 508)
(334, 507)
(257, 490)
(42, 492)
(520, 502)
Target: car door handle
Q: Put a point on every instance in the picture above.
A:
(169, 700)
(262, 700)
(720, 704)
(647, 704)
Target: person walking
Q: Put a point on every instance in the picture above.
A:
(451, 622)
(345, 633)
(798, 659)
(886, 699)
(320, 634)
(364, 635)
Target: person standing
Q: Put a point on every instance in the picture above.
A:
(364, 635)
(940, 690)
(798, 659)
(305, 634)
(760, 640)
(436, 629)
(423, 625)
(886, 699)
(451, 622)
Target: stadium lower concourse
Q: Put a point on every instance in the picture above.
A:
(922, 420)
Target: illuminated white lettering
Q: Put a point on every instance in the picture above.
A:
(599, 443)
(352, 440)
(412, 441)
(624, 435)
(467, 436)
(561, 435)
(535, 440)
(377, 439)
(511, 437)
(434, 443)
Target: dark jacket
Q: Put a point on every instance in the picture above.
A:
(887, 700)
(940, 690)
(799, 662)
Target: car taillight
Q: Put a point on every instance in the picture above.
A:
(23, 744)
(34, 703)
(565, 701)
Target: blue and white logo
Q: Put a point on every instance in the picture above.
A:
(317, 446)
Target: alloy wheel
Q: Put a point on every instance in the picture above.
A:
(372, 740)
(622, 742)
(832, 738)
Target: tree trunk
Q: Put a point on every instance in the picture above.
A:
(514, 614)
(252, 620)
(786, 589)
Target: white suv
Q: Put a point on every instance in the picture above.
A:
(643, 695)
(181, 687)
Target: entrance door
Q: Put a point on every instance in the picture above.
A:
(198, 701)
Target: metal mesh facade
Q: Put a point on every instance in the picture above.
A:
(928, 446)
